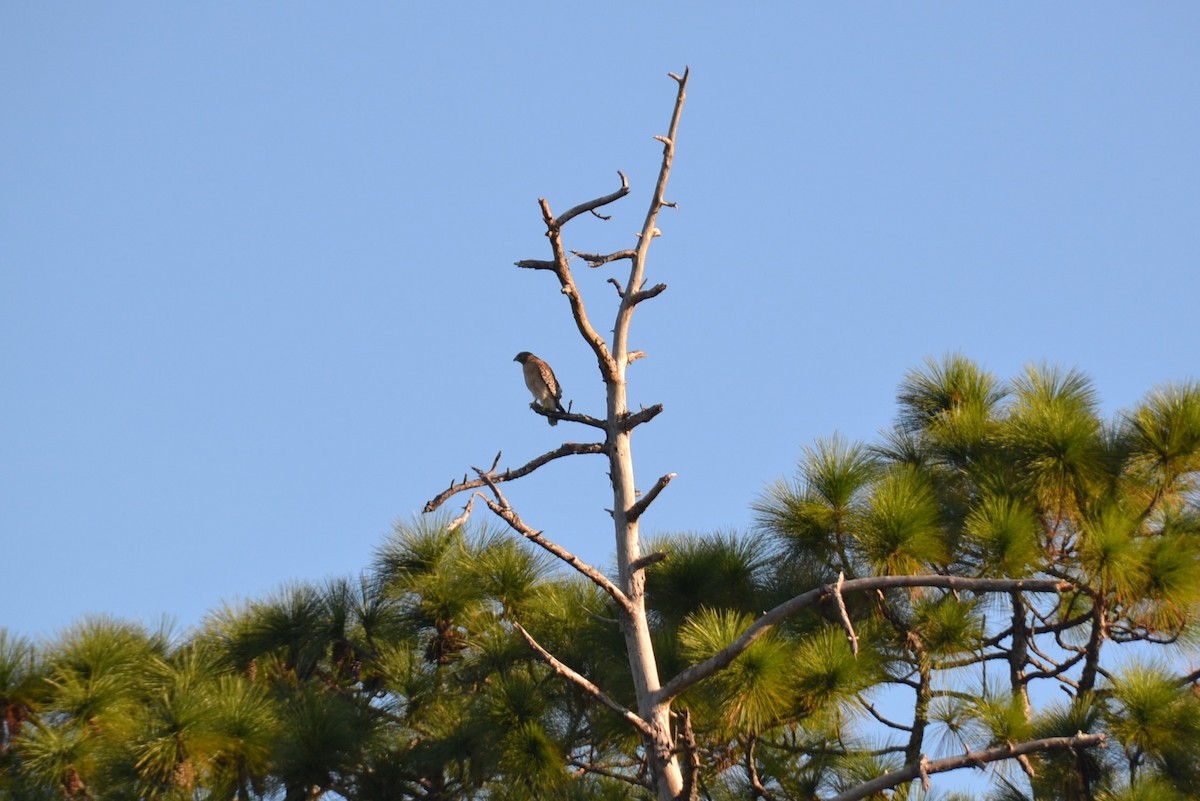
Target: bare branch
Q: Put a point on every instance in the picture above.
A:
(889, 723)
(536, 264)
(725, 656)
(562, 270)
(691, 778)
(617, 284)
(590, 205)
(652, 292)
(566, 449)
(647, 560)
(1052, 670)
(634, 355)
(458, 521)
(600, 259)
(636, 510)
(502, 509)
(656, 204)
(970, 759)
(589, 767)
(644, 416)
(841, 605)
(585, 685)
(554, 414)
(628, 302)
(752, 772)
(599, 216)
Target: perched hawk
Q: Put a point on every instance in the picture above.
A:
(541, 382)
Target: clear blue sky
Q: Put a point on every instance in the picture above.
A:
(257, 298)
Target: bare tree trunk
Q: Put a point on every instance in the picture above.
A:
(626, 509)
(634, 623)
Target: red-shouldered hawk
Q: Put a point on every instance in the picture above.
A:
(541, 382)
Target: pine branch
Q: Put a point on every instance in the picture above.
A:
(702, 670)
(978, 759)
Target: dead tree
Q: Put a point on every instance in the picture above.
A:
(675, 778)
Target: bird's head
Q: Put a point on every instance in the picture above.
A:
(522, 357)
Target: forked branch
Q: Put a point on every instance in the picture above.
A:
(592, 205)
(646, 294)
(562, 270)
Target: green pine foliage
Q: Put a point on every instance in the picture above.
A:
(413, 682)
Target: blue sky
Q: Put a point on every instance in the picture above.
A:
(257, 298)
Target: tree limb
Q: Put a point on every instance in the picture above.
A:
(636, 510)
(632, 421)
(629, 301)
(841, 605)
(589, 767)
(585, 685)
(535, 264)
(466, 513)
(653, 291)
(756, 784)
(702, 670)
(889, 723)
(925, 767)
(566, 449)
(644, 562)
(561, 269)
(664, 172)
(600, 259)
(501, 508)
(691, 778)
(570, 416)
(591, 205)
